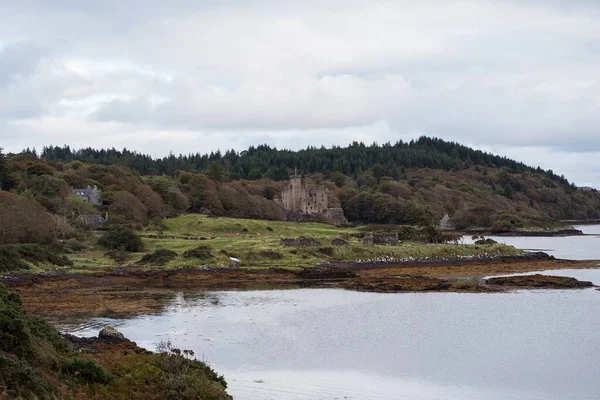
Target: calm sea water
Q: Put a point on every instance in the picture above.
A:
(336, 344)
(571, 247)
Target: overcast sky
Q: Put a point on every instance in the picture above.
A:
(517, 78)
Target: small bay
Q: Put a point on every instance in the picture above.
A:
(335, 344)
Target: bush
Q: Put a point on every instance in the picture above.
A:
(23, 335)
(17, 256)
(328, 251)
(265, 254)
(159, 257)
(201, 252)
(117, 255)
(182, 373)
(484, 241)
(21, 381)
(85, 371)
(75, 245)
(23, 220)
(36, 254)
(121, 239)
(10, 259)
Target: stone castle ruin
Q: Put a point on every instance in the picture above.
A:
(299, 199)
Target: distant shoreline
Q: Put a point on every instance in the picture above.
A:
(533, 233)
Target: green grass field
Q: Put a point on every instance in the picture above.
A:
(257, 244)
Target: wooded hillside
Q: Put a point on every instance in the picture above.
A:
(407, 183)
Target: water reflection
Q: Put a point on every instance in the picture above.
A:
(328, 344)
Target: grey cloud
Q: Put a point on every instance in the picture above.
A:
(18, 60)
(495, 73)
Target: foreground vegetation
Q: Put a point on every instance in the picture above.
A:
(37, 363)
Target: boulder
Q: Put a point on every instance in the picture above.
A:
(109, 334)
(339, 242)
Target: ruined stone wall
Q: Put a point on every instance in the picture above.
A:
(301, 241)
(313, 200)
(381, 239)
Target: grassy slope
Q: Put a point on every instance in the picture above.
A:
(257, 243)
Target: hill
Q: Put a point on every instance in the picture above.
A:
(406, 183)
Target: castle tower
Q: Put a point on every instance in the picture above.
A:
(296, 187)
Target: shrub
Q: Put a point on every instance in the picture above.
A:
(117, 255)
(201, 252)
(36, 254)
(85, 371)
(21, 381)
(159, 257)
(23, 335)
(229, 254)
(327, 250)
(10, 259)
(23, 220)
(265, 254)
(75, 245)
(121, 239)
(179, 366)
(17, 256)
(484, 241)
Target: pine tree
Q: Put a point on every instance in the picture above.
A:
(5, 180)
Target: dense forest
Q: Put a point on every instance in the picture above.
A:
(264, 161)
(407, 183)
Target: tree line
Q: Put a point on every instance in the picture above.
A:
(264, 161)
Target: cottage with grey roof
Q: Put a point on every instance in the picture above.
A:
(95, 221)
(89, 195)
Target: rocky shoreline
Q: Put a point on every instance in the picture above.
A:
(535, 233)
(125, 293)
(538, 281)
(31, 278)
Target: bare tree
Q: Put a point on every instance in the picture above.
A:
(60, 226)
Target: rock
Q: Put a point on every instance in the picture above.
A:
(301, 241)
(539, 281)
(381, 239)
(399, 283)
(335, 216)
(109, 334)
(339, 242)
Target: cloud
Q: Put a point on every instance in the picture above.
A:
(18, 61)
(502, 74)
